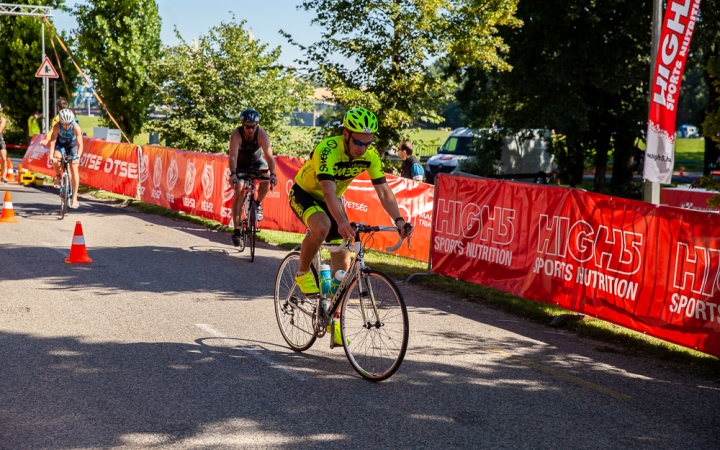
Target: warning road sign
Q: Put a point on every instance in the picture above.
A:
(46, 70)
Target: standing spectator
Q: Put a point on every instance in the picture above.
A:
(61, 104)
(3, 150)
(33, 125)
(410, 168)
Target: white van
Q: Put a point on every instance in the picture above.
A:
(521, 158)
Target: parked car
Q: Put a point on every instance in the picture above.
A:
(522, 158)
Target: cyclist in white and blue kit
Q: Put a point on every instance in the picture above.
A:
(66, 139)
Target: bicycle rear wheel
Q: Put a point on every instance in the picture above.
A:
(252, 228)
(294, 312)
(374, 344)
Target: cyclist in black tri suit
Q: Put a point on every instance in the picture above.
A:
(248, 144)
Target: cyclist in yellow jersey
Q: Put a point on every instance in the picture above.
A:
(315, 198)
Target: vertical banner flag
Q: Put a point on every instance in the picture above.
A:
(673, 49)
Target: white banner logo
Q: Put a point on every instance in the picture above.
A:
(157, 172)
(172, 175)
(189, 178)
(144, 172)
(228, 191)
(208, 180)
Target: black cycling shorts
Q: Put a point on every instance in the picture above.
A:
(305, 205)
(2, 142)
(260, 166)
(67, 148)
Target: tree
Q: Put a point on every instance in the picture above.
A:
(118, 41)
(704, 47)
(20, 53)
(203, 88)
(389, 43)
(579, 68)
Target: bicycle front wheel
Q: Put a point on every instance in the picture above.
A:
(374, 326)
(64, 186)
(294, 312)
(252, 228)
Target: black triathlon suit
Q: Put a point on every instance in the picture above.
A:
(250, 156)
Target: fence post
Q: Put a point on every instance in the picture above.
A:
(432, 238)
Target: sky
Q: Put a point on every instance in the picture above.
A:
(194, 18)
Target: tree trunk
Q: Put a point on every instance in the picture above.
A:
(712, 148)
(601, 159)
(622, 160)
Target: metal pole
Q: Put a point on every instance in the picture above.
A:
(54, 92)
(44, 87)
(651, 190)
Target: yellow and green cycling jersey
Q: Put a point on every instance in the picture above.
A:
(328, 161)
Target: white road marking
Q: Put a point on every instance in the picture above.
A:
(52, 247)
(253, 351)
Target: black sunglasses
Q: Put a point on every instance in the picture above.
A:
(250, 127)
(357, 143)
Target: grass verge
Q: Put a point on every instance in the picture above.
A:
(617, 339)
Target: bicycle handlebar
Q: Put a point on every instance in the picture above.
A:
(362, 228)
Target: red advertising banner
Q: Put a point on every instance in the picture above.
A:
(36, 158)
(169, 178)
(109, 166)
(652, 269)
(687, 198)
(415, 201)
(192, 182)
(673, 49)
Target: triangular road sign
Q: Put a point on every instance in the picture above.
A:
(46, 70)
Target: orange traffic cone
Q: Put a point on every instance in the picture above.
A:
(10, 171)
(8, 213)
(19, 177)
(78, 252)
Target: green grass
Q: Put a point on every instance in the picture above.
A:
(429, 136)
(88, 122)
(617, 339)
(689, 153)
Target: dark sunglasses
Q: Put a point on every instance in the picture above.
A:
(357, 143)
(250, 127)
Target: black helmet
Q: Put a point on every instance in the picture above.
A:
(250, 115)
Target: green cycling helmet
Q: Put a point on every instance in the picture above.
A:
(361, 120)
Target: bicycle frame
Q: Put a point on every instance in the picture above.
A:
(357, 271)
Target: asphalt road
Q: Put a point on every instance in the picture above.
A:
(168, 340)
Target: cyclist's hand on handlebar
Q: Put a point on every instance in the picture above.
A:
(273, 179)
(346, 230)
(233, 178)
(405, 229)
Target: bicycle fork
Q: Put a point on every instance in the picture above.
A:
(362, 294)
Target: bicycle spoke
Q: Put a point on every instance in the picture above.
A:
(375, 350)
(295, 325)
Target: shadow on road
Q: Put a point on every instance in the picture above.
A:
(222, 393)
(204, 270)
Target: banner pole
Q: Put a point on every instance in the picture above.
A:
(651, 189)
(432, 237)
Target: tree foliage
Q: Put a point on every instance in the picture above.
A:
(204, 87)
(580, 68)
(375, 53)
(20, 53)
(118, 42)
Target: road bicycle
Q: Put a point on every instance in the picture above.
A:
(65, 185)
(249, 226)
(373, 317)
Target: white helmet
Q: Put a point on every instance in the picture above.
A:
(66, 116)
